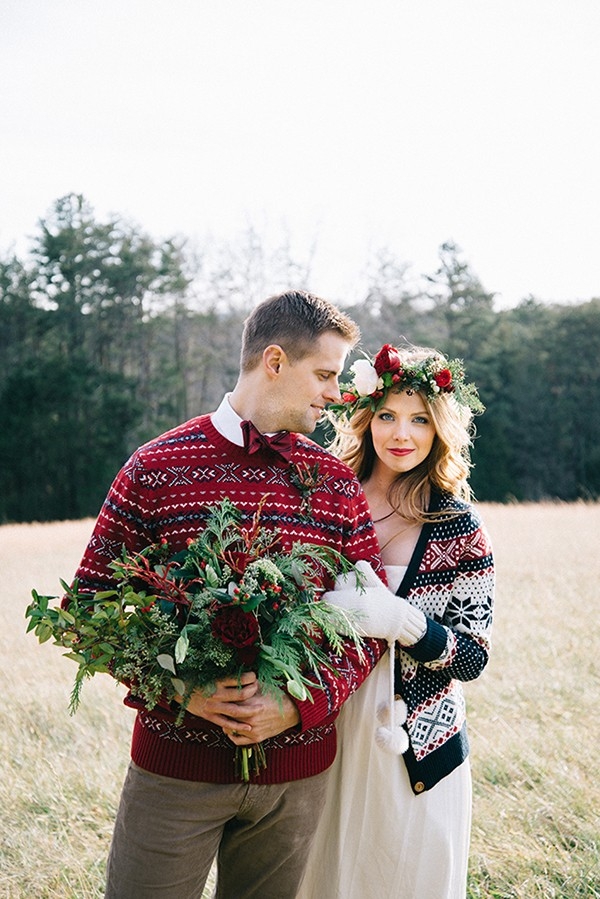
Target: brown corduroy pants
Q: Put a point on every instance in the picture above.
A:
(168, 832)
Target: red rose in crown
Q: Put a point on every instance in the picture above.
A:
(387, 359)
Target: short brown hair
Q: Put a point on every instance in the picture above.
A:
(293, 320)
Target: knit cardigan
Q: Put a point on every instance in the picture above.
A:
(450, 577)
(164, 491)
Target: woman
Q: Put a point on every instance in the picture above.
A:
(399, 825)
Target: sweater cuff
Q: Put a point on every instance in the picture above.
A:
(431, 646)
(312, 713)
(325, 703)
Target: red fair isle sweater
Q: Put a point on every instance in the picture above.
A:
(163, 492)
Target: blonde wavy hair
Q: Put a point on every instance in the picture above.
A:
(447, 466)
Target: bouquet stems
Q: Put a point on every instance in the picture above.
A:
(249, 761)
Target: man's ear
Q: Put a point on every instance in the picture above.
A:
(273, 358)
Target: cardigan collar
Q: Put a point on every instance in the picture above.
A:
(435, 504)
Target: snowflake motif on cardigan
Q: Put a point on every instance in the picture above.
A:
(163, 492)
(451, 579)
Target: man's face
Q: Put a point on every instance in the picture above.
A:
(308, 385)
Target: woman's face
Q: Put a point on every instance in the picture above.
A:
(402, 432)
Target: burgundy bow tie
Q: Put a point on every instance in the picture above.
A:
(281, 442)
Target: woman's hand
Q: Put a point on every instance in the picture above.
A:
(376, 611)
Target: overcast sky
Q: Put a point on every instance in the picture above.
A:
(356, 123)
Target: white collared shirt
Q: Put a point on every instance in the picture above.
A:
(228, 422)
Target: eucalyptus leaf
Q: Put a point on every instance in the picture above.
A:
(178, 685)
(297, 571)
(181, 647)
(166, 661)
(211, 576)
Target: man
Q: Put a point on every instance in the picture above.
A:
(182, 802)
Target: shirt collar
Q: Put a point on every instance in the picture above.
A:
(227, 422)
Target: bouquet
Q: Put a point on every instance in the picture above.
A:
(231, 602)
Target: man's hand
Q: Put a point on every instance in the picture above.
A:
(222, 706)
(246, 715)
(260, 717)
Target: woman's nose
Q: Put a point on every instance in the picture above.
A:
(401, 431)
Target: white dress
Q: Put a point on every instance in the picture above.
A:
(376, 839)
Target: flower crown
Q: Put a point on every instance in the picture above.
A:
(432, 376)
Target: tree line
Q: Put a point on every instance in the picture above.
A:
(108, 337)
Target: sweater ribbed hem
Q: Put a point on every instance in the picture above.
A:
(438, 764)
(162, 748)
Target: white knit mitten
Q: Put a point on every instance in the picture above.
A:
(376, 611)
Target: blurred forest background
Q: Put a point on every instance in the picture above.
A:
(108, 337)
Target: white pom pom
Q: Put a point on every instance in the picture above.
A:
(391, 736)
(395, 742)
(383, 713)
(400, 712)
(392, 739)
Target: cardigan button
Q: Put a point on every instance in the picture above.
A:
(419, 786)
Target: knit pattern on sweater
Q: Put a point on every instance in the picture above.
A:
(451, 579)
(165, 491)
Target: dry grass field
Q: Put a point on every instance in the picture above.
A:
(535, 731)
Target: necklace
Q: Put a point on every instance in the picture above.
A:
(397, 534)
(384, 517)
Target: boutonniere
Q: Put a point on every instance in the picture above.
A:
(307, 479)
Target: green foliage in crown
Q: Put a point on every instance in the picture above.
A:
(434, 376)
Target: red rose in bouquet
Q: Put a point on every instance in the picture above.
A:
(231, 625)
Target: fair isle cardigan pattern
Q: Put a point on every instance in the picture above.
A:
(451, 579)
(164, 491)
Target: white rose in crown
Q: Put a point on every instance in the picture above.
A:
(366, 379)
